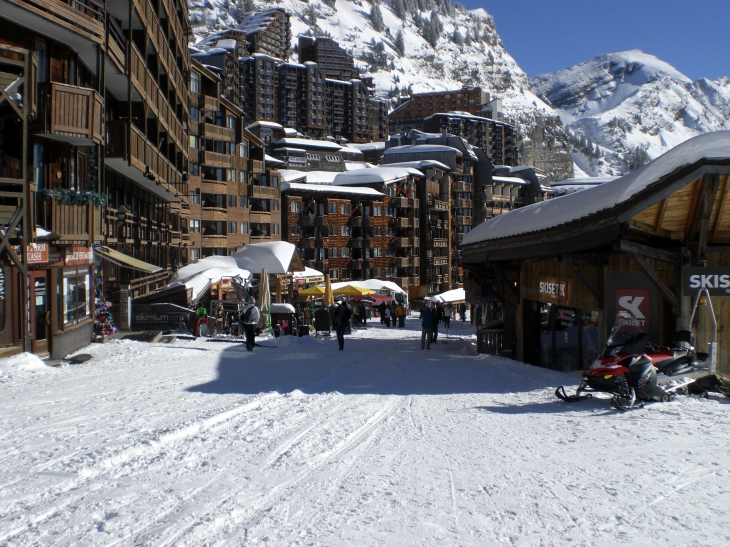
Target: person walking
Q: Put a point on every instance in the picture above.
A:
(426, 327)
(342, 318)
(393, 308)
(381, 311)
(400, 312)
(462, 309)
(448, 312)
(438, 314)
(250, 319)
(363, 314)
(387, 316)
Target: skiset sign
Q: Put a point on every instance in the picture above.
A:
(558, 290)
(715, 280)
(637, 303)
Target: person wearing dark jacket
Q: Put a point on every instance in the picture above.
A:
(342, 318)
(381, 310)
(250, 319)
(438, 315)
(363, 314)
(426, 327)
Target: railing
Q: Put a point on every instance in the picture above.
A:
(214, 159)
(400, 202)
(440, 242)
(403, 222)
(210, 103)
(116, 43)
(440, 205)
(355, 264)
(257, 166)
(355, 222)
(401, 242)
(460, 186)
(320, 242)
(440, 260)
(72, 111)
(462, 221)
(461, 203)
(85, 17)
(266, 192)
(490, 341)
(404, 282)
(400, 262)
(259, 216)
(306, 243)
(356, 243)
(147, 284)
(218, 132)
(141, 154)
(215, 241)
(305, 220)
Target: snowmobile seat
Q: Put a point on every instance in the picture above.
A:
(682, 339)
(674, 367)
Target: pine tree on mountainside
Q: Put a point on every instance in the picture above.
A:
(399, 44)
(376, 18)
(468, 38)
(457, 38)
(398, 8)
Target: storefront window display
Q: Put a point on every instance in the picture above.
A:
(76, 295)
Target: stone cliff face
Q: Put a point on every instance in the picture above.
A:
(420, 45)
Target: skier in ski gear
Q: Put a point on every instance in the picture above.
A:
(249, 319)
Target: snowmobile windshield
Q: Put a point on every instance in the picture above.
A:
(625, 329)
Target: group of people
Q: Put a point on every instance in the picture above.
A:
(431, 315)
(390, 313)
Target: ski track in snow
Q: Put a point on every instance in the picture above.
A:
(202, 443)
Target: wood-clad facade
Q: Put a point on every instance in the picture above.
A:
(551, 295)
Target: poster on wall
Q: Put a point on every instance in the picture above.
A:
(636, 295)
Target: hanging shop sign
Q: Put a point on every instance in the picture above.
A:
(37, 253)
(555, 289)
(78, 255)
(715, 280)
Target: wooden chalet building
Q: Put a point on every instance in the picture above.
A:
(549, 278)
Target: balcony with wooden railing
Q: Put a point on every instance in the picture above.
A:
(462, 220)
(218, 132)
(73, 223)
(125, 141)
(462, 203)
(267, 192)
(259, 216)
(72, 112)
(400, 262)
(257, 166)
(83, 17)
(439, 205)
(440, 242)
(214, 159)
(460, 186)
(116, 44)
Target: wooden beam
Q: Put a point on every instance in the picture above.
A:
(593, 259)
(721, 210)
(649, 252)
(660, 215)
(710, 198)
(506, 280)
(654, 276)
(588, 283)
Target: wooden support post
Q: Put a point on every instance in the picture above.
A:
(654, 276)
(644, 250)
(588, 283)
(504, 279)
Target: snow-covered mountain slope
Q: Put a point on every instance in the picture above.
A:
(419, 45)
(623, 109)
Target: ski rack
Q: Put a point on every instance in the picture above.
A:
(713, 344)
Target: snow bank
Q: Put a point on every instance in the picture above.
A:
(24, 362)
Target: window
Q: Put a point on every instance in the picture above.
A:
(231, 175)
(193, 141)
(243, 150)
(275, 229)
(194, 113)
(274, 181)
(378, 211)
(243, 202)
(274, 204)
(194, 255)
(242, 177)
(346, 231)
(244, 228)
(231, 121)
(194, 170)
(76, 295)
(296, 230)
(346, 209)
(232, 228)
(295, 206)
(332, 230)
(333, 252)
(334, 274)
(232, 201)
(345, 252)
(332, 208)
(319, 254)
(377, 230)
(194, 226)
(194, 82)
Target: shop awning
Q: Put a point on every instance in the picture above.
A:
(126, 261)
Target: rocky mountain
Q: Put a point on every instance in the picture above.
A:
(419, 45)
(624, 109)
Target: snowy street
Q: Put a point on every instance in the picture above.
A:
(204, 443)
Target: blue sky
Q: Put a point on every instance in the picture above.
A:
(547, 35)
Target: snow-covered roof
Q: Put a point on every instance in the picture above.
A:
(307, 143)
(454, 295)
(583, 181)
(420, 164)
(572, 207)
(289, 149)
(421, 149)
(282, 308)
(516, 181)
(321, 177)
(350, 150)
(368, 146)
(308, 272)
(330, 189)
(291, 175)
(271, 125)
(375, 175)
(354, 165)
(270, 159)
(226, 43)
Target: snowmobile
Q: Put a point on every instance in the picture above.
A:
(632, 368)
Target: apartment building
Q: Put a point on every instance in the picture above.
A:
(416, 108)
(96, 95)
(335, 62)
(268, 32)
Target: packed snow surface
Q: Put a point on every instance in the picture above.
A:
(203, 443)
